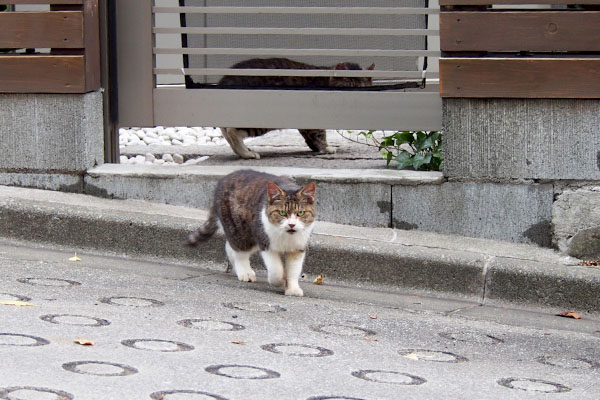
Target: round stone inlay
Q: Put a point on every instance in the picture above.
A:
(251, 306)
(297, 350)
(48, 282)
(242, 371)
(185, 395)
(210, 325)
(471, 337)
(13, 297)
(16, 339)
(72, 319)
(431, 355)
(30, 392)
(165, 346)
(533, 385)
(567, 363)
(131, 301)
(342, 330)
(99, 368)
(393, 377)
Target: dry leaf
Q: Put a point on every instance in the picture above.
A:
(374, 316)
(370, 339)
(318, 280)
(85, 342)
(412, 356)
(569, 314)
(17, 303)
(75, 258)
(238, 342)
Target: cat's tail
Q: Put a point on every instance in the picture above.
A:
(205, 232)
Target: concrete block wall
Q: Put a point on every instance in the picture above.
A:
(543, 155)
(50, 140)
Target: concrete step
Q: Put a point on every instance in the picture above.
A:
(389, 259)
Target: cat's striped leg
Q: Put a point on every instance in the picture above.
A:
(316, 139)
(241, 263)
(293, 270)
(274, 266)
(235, 138)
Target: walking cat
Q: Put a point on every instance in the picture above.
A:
(314, 138)
(266, 213)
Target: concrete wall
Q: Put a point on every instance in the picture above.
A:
(50, 140)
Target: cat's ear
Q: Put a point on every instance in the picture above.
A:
(371, 67)
(308, 192)
(341, 65)
(274, 192)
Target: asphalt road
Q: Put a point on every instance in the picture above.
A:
(156, 330)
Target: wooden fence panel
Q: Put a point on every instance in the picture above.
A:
(42, 74)
(62, 29)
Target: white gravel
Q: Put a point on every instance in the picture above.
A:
(167, 136)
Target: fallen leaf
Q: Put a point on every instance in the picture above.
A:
(412, 356)
(75, 258)
(17, 303)
(374, 316)
(569, 314)
(238, 342)
(318, 280)
(370, 339)
(85, 342)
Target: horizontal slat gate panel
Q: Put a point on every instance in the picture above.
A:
(520, 77)
(298, 109)
(297, 10)
(520, 31)
(42, 74)
(512, 2)
(51, 29)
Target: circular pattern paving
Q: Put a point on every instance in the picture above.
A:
(13, 297)
(16, 339)
(242, 371)
(187, 394)
(431, 355)
(533, 385)
(48, 282)
(568, 363)
(342, 330)
(297, 350)
(165, 346)
(99, 368)
(22, 392)
(251, 306)
(397, 378)
(131, 301)
(72, 319)
(471, 337)
(210, 325)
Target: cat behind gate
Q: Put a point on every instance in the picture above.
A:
(316, 139)
(266, 213)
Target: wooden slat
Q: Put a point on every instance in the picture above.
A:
(510, 2)
(520, 78)
(42, 74)
(62, 29)
(42, 1)
(520, 31)
(91, 26)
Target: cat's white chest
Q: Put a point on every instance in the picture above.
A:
(280, 240)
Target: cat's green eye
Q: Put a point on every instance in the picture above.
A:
(300, 213)
(283, 213)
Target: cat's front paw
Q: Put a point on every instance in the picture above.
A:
(328, 150)
(247, 276)
(294, 291)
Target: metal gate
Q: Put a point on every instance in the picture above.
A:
(171, 54)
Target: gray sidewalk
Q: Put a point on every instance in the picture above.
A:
(479, 270)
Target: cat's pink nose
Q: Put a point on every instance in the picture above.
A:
(291, 225)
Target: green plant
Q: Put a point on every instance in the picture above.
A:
(421, 150)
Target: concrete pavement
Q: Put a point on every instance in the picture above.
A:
(485, 271)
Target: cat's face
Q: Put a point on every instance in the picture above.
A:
(350, 81)
(291, 212)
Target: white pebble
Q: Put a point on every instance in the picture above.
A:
(150, 140)
(167, 157)
(150, 157)
(176, 142)
(151, 134)
(194, 161)
(159, 162)
(178, 158)
(124, 160)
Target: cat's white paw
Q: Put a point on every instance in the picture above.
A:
(248, 155)
(247, 276)
(294, 291)
(276, 281)
(329, 150)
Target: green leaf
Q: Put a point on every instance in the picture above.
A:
(420, 159)
(404, 160)
(388, 155)
(403, 137)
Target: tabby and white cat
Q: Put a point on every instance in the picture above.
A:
(266, 213)
(314, 138)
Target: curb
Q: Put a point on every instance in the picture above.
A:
(442, 265)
